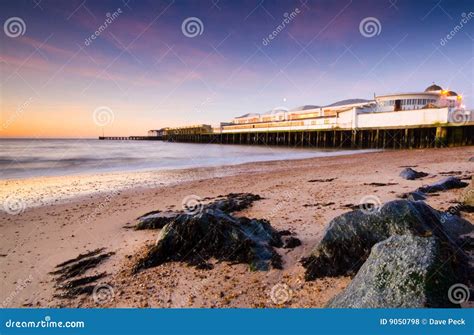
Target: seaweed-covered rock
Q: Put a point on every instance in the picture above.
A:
(195, 239)
(443, 185)
(349, 237)
(402, 271)
(413, 196)
(410, 174)
(229, 203)
(155, 219)
(234, 202)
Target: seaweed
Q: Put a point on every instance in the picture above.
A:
(70, 279)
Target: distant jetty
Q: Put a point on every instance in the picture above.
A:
(432, 118)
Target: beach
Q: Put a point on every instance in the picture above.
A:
(301, 196)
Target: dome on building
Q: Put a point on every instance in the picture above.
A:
(452, 94)
(433, 87)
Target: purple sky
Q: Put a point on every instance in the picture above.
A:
(147, 74)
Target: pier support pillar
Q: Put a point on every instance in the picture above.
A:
(354, 138)
(441, 136)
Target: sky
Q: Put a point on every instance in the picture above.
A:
(171, 63)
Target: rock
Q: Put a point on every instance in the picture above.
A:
(290, 242)
(285, 232)
(458, 208)
(402, 271)
(234, 202)
(349, 237)
(413, 196)
(410, 174)
(471, 159)
(443, 185)
(468, 195)
(155, 220)
(229, 203)
(195, 239)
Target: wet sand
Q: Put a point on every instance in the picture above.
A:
(37, 239)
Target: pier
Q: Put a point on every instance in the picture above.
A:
(380, 138)
(131, 138)
(432, 118)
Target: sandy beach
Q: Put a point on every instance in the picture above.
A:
(298, 195)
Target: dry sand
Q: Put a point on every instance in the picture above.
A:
(36, 240)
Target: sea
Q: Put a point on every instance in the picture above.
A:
(29, 158)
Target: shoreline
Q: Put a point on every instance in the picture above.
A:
(39, 238)
(78, 186)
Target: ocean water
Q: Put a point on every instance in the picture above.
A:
(26, 158)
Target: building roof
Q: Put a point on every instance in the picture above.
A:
(433, 87)
(305, 107)
(348, 102)
(276, 111)
(247, 115)
(452, 93)
(432, 94)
